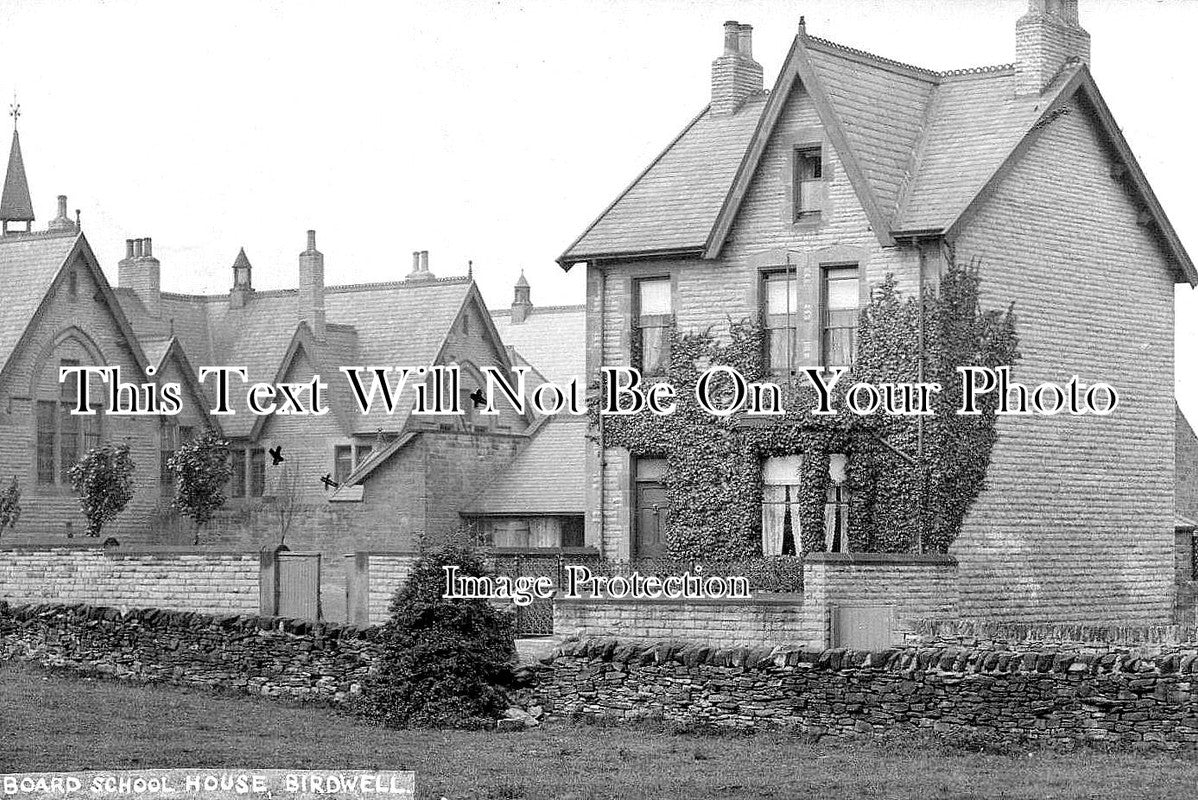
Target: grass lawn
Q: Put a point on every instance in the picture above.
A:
(54, 721)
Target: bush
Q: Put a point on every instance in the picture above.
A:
(103, 479)
(10, 505)
(445, 663)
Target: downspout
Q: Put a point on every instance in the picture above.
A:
(602, 440)
(923, 470)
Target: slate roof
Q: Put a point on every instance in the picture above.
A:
(15, 205)
(547, 477)
(919, 146)
(29, 263)
(672, 205)
(552, 339)
(395, 323)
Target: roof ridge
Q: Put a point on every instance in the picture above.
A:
(536, 308)
(859, 52)
(19, 236)
(949, 73)
(980, 70)
(343, 287)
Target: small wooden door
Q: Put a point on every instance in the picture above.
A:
(299, 585)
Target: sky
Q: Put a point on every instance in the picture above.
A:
(491, 132)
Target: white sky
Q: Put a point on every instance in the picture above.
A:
(492, 131)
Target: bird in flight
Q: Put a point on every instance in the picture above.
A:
(478, 397)
(276, 455)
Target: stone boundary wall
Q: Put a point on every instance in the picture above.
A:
(1062, 697)
(372, 579)
(761, 621)
(183, 579)
(271, 656)
(902, 588)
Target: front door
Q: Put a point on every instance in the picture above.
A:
(652, 510)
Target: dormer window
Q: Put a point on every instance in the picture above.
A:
(809, 182)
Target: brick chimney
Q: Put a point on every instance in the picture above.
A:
(311, 288)
(63, 222)
(1046, 37)
(735, 76)
(522, 302)
(140, 271)
(420, 267)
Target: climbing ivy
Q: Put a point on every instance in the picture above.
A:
(910, 482)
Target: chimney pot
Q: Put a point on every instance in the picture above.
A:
(137, 248)
(149, 252)
(424, 261)
(415, 261)
(745, 37)
(62, 205)
(128, 248)
(311, 240)
(731, 37)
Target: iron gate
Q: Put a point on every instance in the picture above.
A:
(536, 618)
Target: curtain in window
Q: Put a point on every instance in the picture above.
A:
(780, 506)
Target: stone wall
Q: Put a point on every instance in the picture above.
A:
(184, 579)
(896, 590)
(908, 587)
(372, 580)
(269, 656)
(1047, 696)
(762, 621)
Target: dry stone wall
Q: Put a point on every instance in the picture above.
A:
(271, 656)
(1008, 695)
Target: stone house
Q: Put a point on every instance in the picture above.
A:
(788, 205)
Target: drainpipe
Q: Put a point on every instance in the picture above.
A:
(923, 470)
(602, 446)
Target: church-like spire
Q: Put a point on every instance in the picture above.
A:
(15, 205)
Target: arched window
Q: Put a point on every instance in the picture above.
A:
(61, 437)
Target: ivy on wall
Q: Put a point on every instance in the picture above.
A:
(911, 481)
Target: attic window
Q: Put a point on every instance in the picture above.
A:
(808, 182)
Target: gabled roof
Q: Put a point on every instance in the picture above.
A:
(547, 477)
(921, 149)
(28, 266)
(552, 339)
(15, 205)
(30, 263)
(159, 352)
(391, 324)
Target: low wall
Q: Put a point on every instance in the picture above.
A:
(185, 579)
(851, 599)
(1062, 697)
(765, 620)
(372, 580)
(270, 656)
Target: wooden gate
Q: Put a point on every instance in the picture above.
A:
(298, 585)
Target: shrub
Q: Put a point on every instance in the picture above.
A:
(103, 479)
(444, 663)
(10, 505)
(201, 468)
